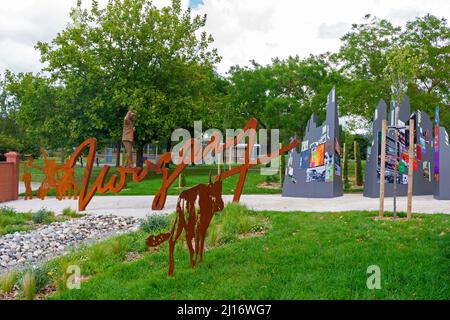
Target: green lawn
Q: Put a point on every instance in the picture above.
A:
(194, 175)
(302, 256)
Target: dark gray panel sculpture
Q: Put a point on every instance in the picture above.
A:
(442, 190)
(315, 171)
(422, 175)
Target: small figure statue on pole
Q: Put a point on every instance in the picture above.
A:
(26, 178)
(128, 136)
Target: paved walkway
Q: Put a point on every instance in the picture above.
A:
(139, 206)
(34, 186)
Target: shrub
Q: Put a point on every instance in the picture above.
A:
(68, 212)
(182, 181)
(42, 216)
(359, 176)
(283, 168)
(7, 282)
(42, 277)
(61, 275)
(236, 219)
(28, 288)
(154, 222)
(345, 171)
(8, 216)
(9, 143)
(272, 178)
(213, 237)
(7, 211)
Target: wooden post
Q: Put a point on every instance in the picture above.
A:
(230, 155)
(356, 164)
(410, 167)
(382, 166)
(218, 157)
(279, 165)
(344, 165)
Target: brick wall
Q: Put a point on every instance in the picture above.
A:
(9, 177)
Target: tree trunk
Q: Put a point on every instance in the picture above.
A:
(119, 149)
(140, 156)
(63, 155)
(168, 147)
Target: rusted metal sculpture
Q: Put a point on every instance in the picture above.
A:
(116, 182)
(50, 170)
(61, 178)
(66, 183)
(210, 201)
(209, 198)
(128, 136)
(26, 178)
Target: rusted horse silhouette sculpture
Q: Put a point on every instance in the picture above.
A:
(209, 202)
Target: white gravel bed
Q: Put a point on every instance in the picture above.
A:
(31, 248)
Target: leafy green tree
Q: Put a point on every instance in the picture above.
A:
(401, 71)
(281, 95)
(418, 54)
(132, 55)
(42, 116)
(428, 37)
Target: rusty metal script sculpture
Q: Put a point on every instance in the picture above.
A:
(209, 197)
(190, 151)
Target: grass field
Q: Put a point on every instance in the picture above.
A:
(194, 175)
(302, 256)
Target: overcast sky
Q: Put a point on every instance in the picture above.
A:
(243, 29)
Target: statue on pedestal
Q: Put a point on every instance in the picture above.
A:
(128, 136)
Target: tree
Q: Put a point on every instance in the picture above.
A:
(132, 55)
(401, 70)
(428, 37)
(281, 95)
(362, 59)
(418, 54)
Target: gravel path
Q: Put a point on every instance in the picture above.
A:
(31, 248)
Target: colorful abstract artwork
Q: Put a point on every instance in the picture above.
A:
(436, 145)
(304, 159)
(316, 174)
(317, 156)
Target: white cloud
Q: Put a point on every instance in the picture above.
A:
(243, 29)
(290, 27)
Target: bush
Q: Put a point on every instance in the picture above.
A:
(42, 276)
(68, 212)
(154, 222)
(12, 221)
(182, 180)
(236, 219)
(359, 177)
(9, 143)
(283, 168)
(42, 216)
(7, 282)
(274, 178)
